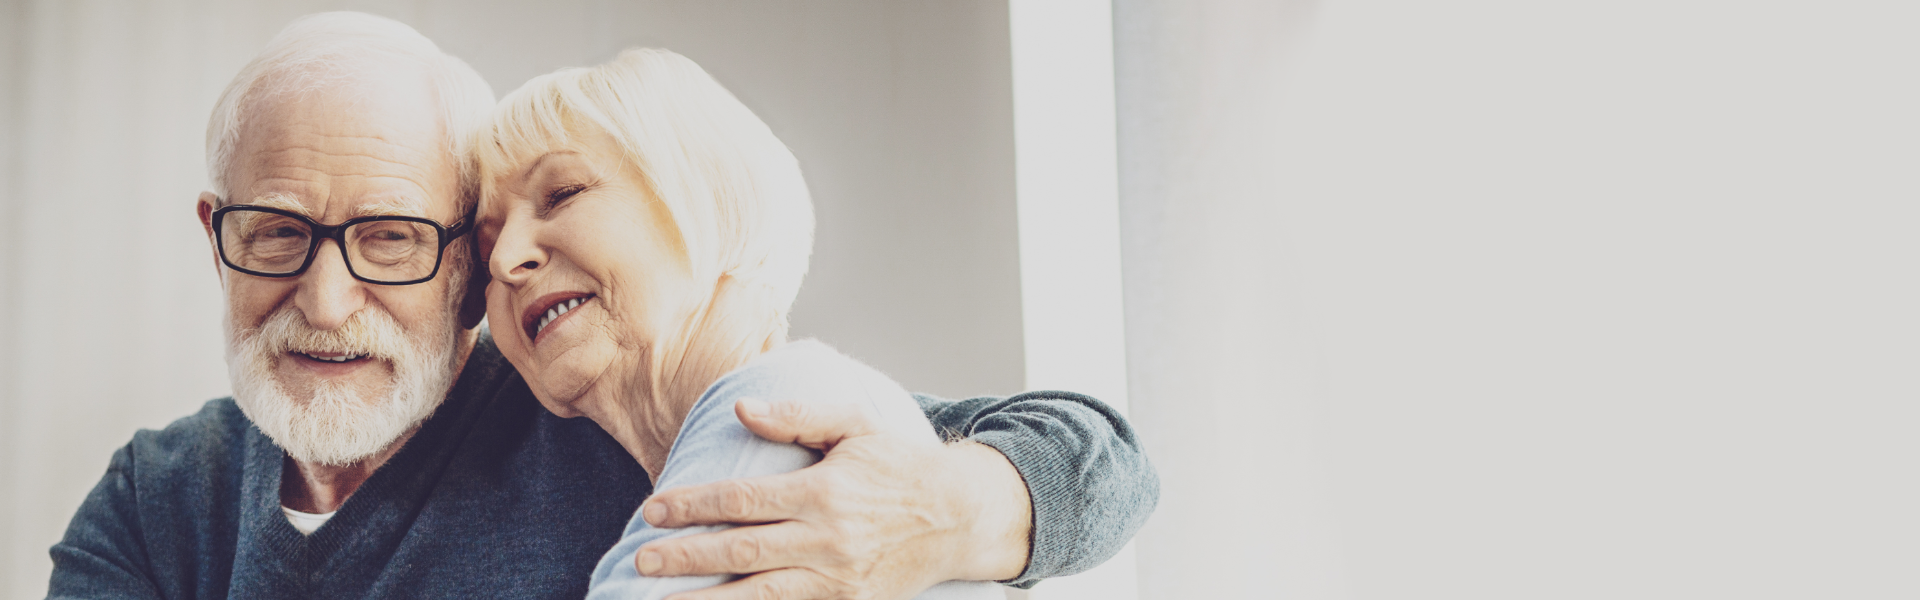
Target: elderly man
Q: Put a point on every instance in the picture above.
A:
(377, 445)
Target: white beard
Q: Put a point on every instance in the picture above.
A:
(340, 425)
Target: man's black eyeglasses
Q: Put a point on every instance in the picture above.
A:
(385, 250)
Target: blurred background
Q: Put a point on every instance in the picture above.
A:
(1475, 299)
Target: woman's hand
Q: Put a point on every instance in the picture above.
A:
(879, 517)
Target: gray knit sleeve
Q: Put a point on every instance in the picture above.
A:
(1091, 483)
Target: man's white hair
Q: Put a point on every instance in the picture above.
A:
(734, 190)
(322, 49)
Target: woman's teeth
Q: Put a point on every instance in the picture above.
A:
(555, 312)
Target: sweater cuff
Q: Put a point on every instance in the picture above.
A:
(1050, 484)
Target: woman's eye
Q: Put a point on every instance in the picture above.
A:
(561, 194)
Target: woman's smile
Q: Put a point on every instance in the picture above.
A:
(549, 311)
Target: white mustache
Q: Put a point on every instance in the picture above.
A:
(368, 331)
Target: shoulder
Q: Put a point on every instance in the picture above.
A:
(813, 373)
(196, 464)
(805, 371)
(713, 445)
(165, 518)
(211, 438)
(165, 487)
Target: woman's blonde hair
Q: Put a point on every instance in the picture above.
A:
(734, 190)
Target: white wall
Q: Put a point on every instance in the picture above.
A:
(109, 309)
(100, 338)
(1487, 299)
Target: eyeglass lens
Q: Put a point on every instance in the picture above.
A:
(380, 250)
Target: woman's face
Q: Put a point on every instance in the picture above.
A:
(589, 273)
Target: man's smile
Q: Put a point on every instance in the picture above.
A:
(331, 364)
(333, 357)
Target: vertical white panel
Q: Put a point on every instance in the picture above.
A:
(1066, 183)
(1223, 364)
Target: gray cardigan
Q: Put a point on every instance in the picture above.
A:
(496, 497)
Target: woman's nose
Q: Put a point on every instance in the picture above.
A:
(516, 255)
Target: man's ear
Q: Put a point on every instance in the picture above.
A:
(205, 208)
(473, 307)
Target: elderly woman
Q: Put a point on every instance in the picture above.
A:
(647, 234)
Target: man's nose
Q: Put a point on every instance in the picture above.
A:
(328, 293)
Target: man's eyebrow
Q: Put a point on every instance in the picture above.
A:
(381, 207)
(282, 202)
(389, 207)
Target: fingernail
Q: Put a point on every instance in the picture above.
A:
(753, 407)
(655, 513)
(649, 562)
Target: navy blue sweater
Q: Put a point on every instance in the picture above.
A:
(496, 497)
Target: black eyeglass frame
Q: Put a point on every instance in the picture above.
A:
(337, 233)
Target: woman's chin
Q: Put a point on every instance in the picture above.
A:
(564, 373)
(563, 403)
(565, 385)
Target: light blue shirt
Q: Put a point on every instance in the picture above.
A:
(714, 446)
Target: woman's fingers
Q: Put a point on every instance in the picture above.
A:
(786, 584)
(815, 426)
(738, 550)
